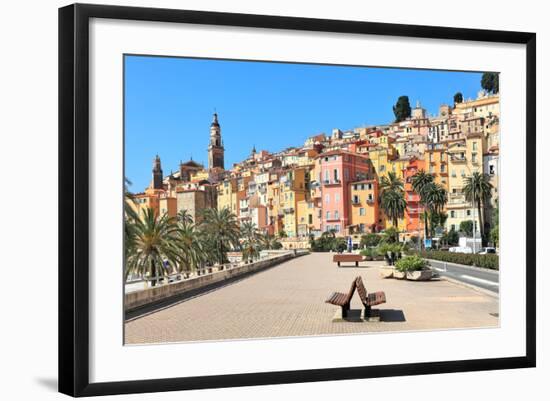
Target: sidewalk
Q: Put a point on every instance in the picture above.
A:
(288, 300)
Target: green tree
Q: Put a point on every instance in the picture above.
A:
(130, 218)
(390, 236)
(156, 249)
(420, 183)
(269, 241)
(184, 217)
(192, 246)
(402, 109)
(477, 189)
(222, 231)
(458, 98)
(467, 227)
(494, 234)
(435, 198)
(452, 237)
(490, 82)
(369, 240)
(250, 241)
(392, 200)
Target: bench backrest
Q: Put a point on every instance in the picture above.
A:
(361, 290)
(347, 258)
(351, 291)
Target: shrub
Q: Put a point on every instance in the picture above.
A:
(368, 240)
(367, 252)
(490, 261)
(410, 263)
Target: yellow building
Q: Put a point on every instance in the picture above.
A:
(293, 189)
(227, 195)
(363, 208)
(380, 158)
(465, 158)
(436, 159)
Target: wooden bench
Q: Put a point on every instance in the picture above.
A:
(347, 257)
(368, 300)
(342, 300)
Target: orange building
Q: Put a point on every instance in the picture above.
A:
(413, 213)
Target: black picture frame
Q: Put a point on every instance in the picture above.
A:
(74, 198)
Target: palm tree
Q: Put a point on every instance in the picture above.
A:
(249, 231)
(221, 229)
(435, 198)
(251, 241)
(191, 245)
(477, 189)
(269, 241)
(156, 248)
(184, 217)
(392, 199)
(393, 204)
(421, 181)
(130, 217)
(391, 182)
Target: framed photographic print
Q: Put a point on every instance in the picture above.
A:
(294, 199)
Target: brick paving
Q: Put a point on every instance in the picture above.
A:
(288, 300)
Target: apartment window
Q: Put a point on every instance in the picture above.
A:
(369, 186)
(442, 169)
(362, 211)
(474, 146)
(337, 228)
(491, 169)
(328, 215)
(382, 168)
(336, 174)
(453, 227)
(369, 197)
(327, 175)
(355, 187)
(474, 157)
(336, 198)
(336, 215)
(462, 173)
(310, 219)
(468, 212)
(452, 214)
(327, 198)
(355, 199)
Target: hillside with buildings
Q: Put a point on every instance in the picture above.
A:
(332, 182)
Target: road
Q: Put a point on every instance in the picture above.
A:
(483, 278)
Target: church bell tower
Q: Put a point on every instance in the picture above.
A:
(157, 173)
(215, 148)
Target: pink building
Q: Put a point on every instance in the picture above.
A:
(338, 169)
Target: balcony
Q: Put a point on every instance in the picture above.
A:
(288, 210)
(332, 182)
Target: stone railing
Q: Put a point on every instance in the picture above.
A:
(207, 279)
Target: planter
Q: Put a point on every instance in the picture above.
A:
(399, 275)
(387, 272)
(419, 275)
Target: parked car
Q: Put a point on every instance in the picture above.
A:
(487, 250)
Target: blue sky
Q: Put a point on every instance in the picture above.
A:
(169, 104)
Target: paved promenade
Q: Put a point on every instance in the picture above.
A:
(288, 300)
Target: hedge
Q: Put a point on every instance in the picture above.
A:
(489, 261)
